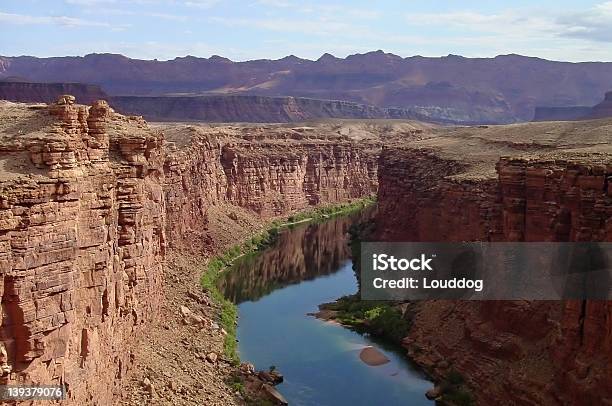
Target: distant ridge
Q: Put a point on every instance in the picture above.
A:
(503, 89)
(254, 109)
(19, 90)
(601, 110)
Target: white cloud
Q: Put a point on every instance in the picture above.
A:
(305, 26)
(205, 4)
(276, 3)
(593, 24)
(321, 10)
(88, 3)
(64, 21)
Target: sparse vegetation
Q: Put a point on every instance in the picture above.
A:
(219, 263)
(377, 317)
(327, 212)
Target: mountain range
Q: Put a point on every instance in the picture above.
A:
(503, 89)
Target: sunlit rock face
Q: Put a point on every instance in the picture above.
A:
(269, 172)
(82, 242)
(89, 202)
(517, 352)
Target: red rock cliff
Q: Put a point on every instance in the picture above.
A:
(456, 188)
(88, 201)
(81, 245)
(282, 174)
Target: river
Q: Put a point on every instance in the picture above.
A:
(277, 288)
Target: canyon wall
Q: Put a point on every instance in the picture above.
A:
(32, 92)
(274, 178)
(603, 109)
(561, 113)
(252, 109)
(89, 201)
(307, 252)
(521, 352)
(505, 88)
(82, 241)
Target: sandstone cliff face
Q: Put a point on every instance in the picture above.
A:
(89, 199)
(511, 352)
(82, 240)
(277, 177)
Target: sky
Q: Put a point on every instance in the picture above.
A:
(271, 29)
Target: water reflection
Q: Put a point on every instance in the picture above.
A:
(301, 253)
(323, 363)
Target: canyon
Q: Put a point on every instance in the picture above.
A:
(105, 220)
(255, 109)
(503, 89)
(528, 182)
(93, 203)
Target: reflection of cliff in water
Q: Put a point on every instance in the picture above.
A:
(301, 253)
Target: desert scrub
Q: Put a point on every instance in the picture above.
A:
(228, 311)
(219, 263)
(237, 385)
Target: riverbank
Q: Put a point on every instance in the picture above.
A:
(277, 288)
(189, 357)
(242, 378)
(222, 262)
(391, 322)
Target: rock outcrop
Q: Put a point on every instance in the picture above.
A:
(457, 186)
(82, 241)
(89, 201)
(603, 109)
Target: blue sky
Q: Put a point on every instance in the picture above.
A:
(254, 29)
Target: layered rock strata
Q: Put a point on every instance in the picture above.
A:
(274, 173)
(82, 241)
(33, 92)
(89, 201)
(472, 185)
(254, 109)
